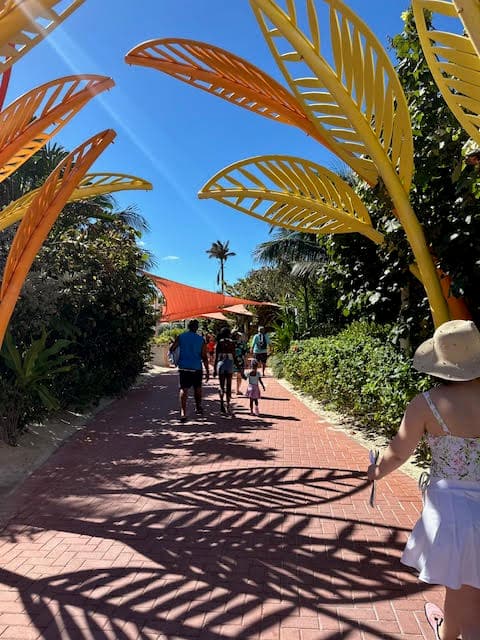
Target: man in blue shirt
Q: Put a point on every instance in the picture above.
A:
(193, 351)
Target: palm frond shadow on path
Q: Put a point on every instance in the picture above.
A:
(124, 546)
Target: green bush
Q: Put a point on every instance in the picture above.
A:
(358, 372)
(86, 286)
(108, 305)
(25, 382)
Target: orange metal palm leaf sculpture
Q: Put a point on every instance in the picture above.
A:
(226, 76)
(93, 184)
(41, 216)
(24, 23)
(32, 120)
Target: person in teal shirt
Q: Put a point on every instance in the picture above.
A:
(260, 345)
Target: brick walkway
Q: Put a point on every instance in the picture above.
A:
(143, 527)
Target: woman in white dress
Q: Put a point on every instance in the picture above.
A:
(445, 543)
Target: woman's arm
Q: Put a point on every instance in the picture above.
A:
(217, 351)
(205, 361)
(403, 444)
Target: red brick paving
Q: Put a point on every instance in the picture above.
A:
(143, 527)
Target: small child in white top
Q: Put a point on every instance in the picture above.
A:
(253, 390)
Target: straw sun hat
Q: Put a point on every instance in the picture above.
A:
(452, 354)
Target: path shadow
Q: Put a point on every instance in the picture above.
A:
(223, 550)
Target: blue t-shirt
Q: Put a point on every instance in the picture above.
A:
(191, 345)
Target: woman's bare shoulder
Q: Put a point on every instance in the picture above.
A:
(417, 403)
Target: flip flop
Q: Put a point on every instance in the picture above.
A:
(434, 617)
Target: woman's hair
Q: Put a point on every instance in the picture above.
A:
(224, 333)
(442, 381)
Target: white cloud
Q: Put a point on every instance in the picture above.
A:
(170, 258)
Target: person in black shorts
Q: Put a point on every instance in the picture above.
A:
(224, 357)
(193, 351)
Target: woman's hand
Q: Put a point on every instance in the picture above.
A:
(372, 472)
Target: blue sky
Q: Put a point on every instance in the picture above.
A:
(170, 133)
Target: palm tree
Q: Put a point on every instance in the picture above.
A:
(298, 253)
(220, 251)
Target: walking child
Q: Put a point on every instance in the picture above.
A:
(253, 390)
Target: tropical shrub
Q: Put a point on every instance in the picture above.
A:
(26, 382)
(168, 336)
(108, 306)
(358, 372)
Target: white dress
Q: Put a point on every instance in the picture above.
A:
(444, 545)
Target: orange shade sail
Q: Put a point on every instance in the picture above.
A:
(239, 309)
(218, 315)
(183, 301)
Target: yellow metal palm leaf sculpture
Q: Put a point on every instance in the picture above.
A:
(358, 102)
(356, 105)
(226, 76)
(292, 193)
(469, 12)
(93, 184)
(42, 213)
(454, 62)
(24, 23)
(30, 122)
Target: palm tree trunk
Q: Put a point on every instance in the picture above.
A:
(306, 299)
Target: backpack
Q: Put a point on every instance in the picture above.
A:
(262, 341)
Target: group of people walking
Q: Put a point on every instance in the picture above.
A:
(444, 544)
(228, 357)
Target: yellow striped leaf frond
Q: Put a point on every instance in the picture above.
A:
(293, 193)
(32, 120)
(24, 23)
(454, 63)
(92, 185)
(356, 101)
(469, 12)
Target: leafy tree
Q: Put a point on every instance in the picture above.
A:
(302, 258)
(221, 252)
(85, 286)
(107, 303)
(446, 190)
